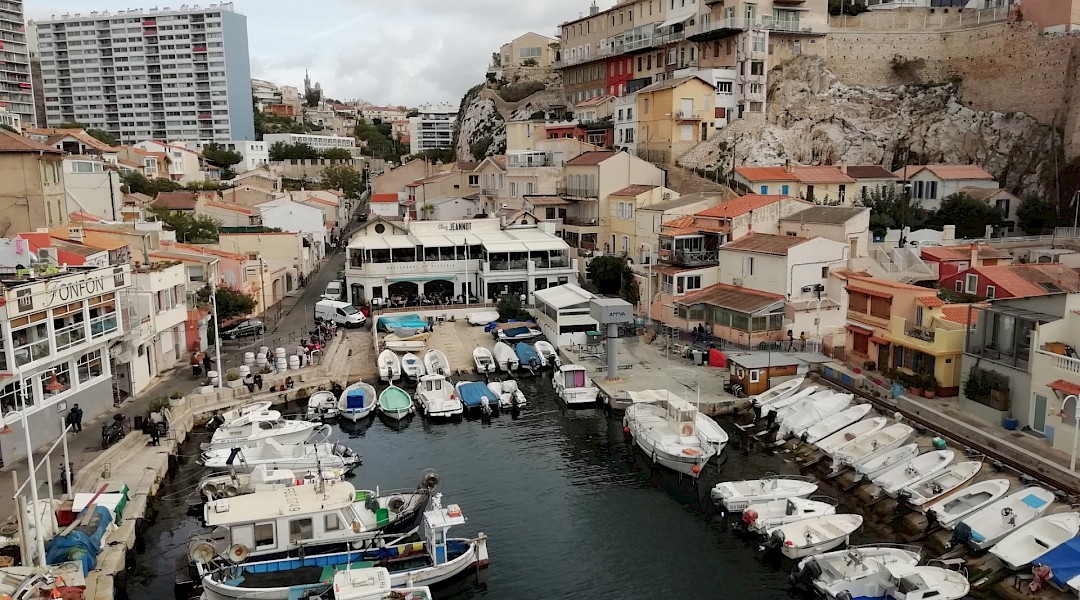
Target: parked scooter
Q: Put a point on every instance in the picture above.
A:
(112, 432)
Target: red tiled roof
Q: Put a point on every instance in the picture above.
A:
(176, 200)
(965, 314)
(869, 172)
(231, 207)
(82, 217)
(590, 158)
(597, 101)
(930, 301)
(896, 285)
(82, 136)
(684, 221)
(868, 292)
(13, 142)
(765, 174)
(859, 330)
(634, 190)
(384, 198)
(739, 206)
(1029, 279)
(732, 297)
(765, 243)
(942, 254)
(821, 174)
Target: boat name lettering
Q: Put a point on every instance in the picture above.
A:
(292, 500)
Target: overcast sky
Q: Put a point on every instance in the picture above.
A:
(384, 51)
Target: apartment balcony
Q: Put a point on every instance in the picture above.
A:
(689, 115)
(489, 190)
(1066, 365)
(689, 258)
(577, 192)
(199, 49)
(777, 25)
(920, 333)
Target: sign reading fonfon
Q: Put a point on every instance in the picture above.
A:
(64, 289)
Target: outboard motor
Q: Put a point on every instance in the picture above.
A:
(803, 579)
(774, 543)
(215, 422)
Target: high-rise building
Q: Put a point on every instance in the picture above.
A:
(16, 90)
(433, 127)
(160, 74)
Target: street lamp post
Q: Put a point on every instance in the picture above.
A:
(217, 328)
(648, 286)
(1076, 425)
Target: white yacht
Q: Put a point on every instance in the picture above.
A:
(988, 525)
(272, 455)
(667, 433)
(573, 385)
(253, 428)
(216, 487)
(435, 397)
(735, 496)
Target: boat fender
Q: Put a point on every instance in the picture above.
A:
(430, 481)
(696, 469)
(238, 553)
(749, 517)
(357, 526)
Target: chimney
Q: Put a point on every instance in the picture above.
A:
(843, 168)
(949, 232)
(975, 254)
(75, 234)
(787, 165)
(594, 9)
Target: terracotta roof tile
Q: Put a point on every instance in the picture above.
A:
(765, 174)
(930, 301)
(960, 313)
(1030, 279)
(869, 172)
(684, 221)
(634, 190)
(739, 299)
(176, 200)
(765, 243)
(597, 101)
(590, 158)
(882, 282)
(83, 217)
(740, 206)
(230, 207)
(384, 198)
(13, 142)
(821, 174)
(1065, 387)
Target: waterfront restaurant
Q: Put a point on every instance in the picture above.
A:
(56, 330)
(391, 262)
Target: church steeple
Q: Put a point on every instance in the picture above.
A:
(307, 82)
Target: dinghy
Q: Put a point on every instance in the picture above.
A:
(436, 363)
(412, 367)
(839, 573)
(778, 391)
(850, 434)
(948, 511)
(412, 343)
(272, 455)
(877, 464)
(735, 496)
(814, 412)
(485, 362)
(822, 429)
(781, 408)
(476, 396)
(814, 535)
(1038, 537)
(988, 525)
(322, 405)
(505, 357)
(255, 427)
(925, 465)
(762, 517)
(880, 441)
(666, 432)
(933, 487)
(435, 397)
(357, 401)
(508, 393)
(389, 366)
(482, 316)
(548, 353)
(528, 358)
(900, 581)
(395, 403)
(573, 385)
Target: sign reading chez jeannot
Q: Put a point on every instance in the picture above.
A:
(64, 289)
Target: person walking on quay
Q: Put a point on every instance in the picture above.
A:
(206, 362)
(196, 365)
(76, 415)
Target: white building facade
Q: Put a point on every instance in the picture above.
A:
(319, 142)
(155, 311)
(16, 87)
(255, 153)
(286, 215)
(184, 164)
(433, 127)
(625, 112)
(88, 186)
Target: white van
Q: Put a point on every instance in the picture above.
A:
(342, 313)
(333, 290)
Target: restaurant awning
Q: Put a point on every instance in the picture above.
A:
(447, 277)
(1065, 387)
(880, 341)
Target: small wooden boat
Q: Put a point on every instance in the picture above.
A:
(573, 385)
(412, 367)
(949, 511)
(389, 366)
(548, 353)
(1038, 537)
(505, 357)
(762, 517)
(485, 361)
(824, 428)
(436, 363)
(815, 412)
(990, 524)
(933, 487)
(395, 403)
(880, 441)
(814, 535)
(322, 405)
(778, 391)
(435, 397)
(357, 401)
(877, 464)
(925, 465)
(508, 393)
(834, 574)
(848, 435)
(667, 433)
(735, 496)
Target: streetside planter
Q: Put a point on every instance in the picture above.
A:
(232, 379)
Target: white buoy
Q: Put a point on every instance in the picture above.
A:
(281, 364)
(260, 360)
(279, 353)
(263, 350)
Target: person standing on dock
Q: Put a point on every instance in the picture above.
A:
(76, 418)
(206, 362)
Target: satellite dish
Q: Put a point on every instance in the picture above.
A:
(201, 551)
(238, 553)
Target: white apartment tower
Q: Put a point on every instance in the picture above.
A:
(433, 128)
(16, 89)
(163, 74)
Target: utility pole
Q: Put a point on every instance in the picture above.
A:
(112, 194)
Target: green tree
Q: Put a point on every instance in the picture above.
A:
(337, 154)
(71, 125)
(231, 302)
(344, 178)
(7, 127)
(312, 97)
(222, 158)
(509, 307)
(890, 208)
(608, 273)
(282, 151)
(189, 228)
(102, 136)
(970, 216)
(134, 182)
(1037, 216)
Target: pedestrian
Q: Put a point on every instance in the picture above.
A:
(288, 383)
(206, 362)
(249, 382)
(259, 381)
(76, 418)
(155, 435)
(196, 364)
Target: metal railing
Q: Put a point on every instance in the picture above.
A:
(920, 333)
(577, 192)
(770, 23)
(689, 115)
(915, 18)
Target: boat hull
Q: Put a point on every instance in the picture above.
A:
(356, 414)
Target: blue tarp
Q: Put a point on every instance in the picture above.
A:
(527, 354)
(472, 393)
(516, 331)
(80, 545)
(354, 399)
(410, 321)
(1064, 561)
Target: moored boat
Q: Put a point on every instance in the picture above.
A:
(901, 581)
(484, 360)
(216, 487)
(373, 584)
(1018, 549)
(764, 516)
(880, 441)
(932, 487)
(948, 511)
(505, 357)
(840, 573)
(667, 433)
(778, 391)
(389, 366)
(477, 396)
(395, 403)
(548, 353)
(272, 455)
(482, 316)
(528, 357)
(814, 535)
(322, 405)
(925, 465)
(812, 413)
(435, 397)
(436, 363)
(239, 411)
(573, 385)
(508, 392)
(735, 496)
(990, 524)
(848, 435)
(255, 427)
(877, 464)
(822, 429)
(412, 367)
(357, 401)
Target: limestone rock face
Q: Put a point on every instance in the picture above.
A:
(815, 119)
(480, 127)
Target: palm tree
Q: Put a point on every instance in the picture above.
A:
(427, 209)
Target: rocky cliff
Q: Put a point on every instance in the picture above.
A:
(485, 109)
(815, 119)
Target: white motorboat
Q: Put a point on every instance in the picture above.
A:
(814, 412)
(735, 496)
(508, 392)
(216, 487)
(708, 430)
(505, 357)
(830, 425)
(901, 581)
(778, 391)
(436, 363)
(357, 401)
(412, 367)
(990, 524)
(932, 487)
(435, 397)
(778, 409)
(1038, 537)
(573, 385)
(482, 316)
(922, 466)
(513, 333)
(667, 433)
(848, 435)
(762, 517)
(948, 511)
(413, 343)
(485, 361)
(814, 535)
(255, 427)
(389, 366)
(882, 440)
(374, 584)
(272, 455)
(548, 353)
(322, 405)
(877, 464)
(250, 407)
(842, 572)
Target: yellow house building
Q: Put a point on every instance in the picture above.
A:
(930, 341)
(528, 50)
(31, 183)
(623, 206)
(673, 116)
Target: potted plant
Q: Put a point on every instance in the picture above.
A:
(913, 384)
(232, 379)
(869, 365)
(930, 386)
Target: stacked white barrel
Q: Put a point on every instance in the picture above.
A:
(249, 358)
(281, 361)
(213, 375)
(294, 362)
(244, 371)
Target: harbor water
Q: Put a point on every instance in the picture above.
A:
(570, 509)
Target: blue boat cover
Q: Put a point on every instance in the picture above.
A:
(527, 354)
(1064, 561)
(354, 399)
(516, 331)
(80, 545)
(472, 393)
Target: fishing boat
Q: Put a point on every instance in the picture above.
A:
(708, 430)
(322, 405)
(814, 535)
(948, 511)
(828, 426)
(485, 361)
(902, 581)
(395, 403)
(548, 353)
(482, 316)
(435, 559)
(528, 358)
(255, 427)
(436, 363)
(505, 357)
(735, 496)
(373, 584)
(389, 366)
(762, 517)
(933, 487)
(877, 464)
(412, 367)
(848, 435)
(815, 412)
(357, 401)
(990, 524)
(573, 385)
(667, 433)
(771, 409)
(508, 393)
(435, 397)
(839, 573)
(921, 467)
(778, 391)
(216, 487)
(272, 455)
(1038, 537)
(881, 441)
(236, 413)
(476, 396)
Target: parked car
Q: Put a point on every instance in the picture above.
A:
(925, 243)
(239, 329)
